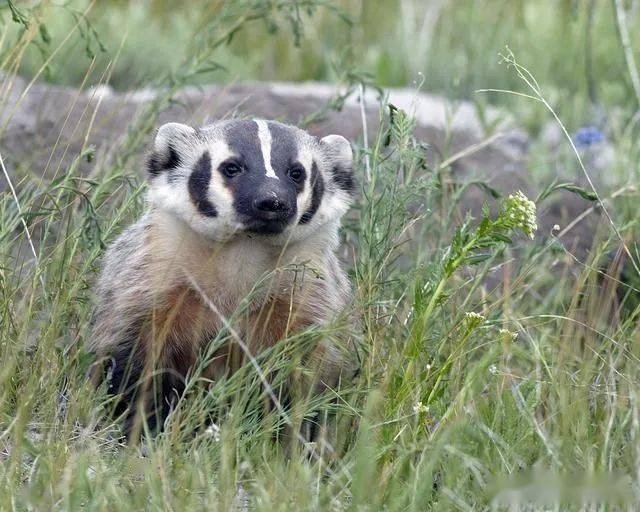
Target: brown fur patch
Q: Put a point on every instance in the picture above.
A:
(177, 329)
(275, 320)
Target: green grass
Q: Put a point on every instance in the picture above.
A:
(450, 407)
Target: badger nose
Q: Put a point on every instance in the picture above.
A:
(269, 204)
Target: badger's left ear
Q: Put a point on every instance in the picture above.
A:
(340, 157)
(172, 139)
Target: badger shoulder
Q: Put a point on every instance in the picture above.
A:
(122, 289)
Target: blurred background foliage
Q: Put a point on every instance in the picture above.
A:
(450, 47)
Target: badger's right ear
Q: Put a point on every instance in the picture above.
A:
(170, 142)
(340, 154)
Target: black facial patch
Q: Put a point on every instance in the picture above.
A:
(343, 178)
(284, 151)
(159, 163)
(265, 204)
(199, 186)
(242, 138)
(317, 191)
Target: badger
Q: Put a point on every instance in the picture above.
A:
(229, 205)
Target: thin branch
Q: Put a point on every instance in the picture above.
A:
(24, 223)
(365, 135)
(470, 150)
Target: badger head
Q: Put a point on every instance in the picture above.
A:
(254, 177)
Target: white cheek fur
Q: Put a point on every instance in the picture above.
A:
(174, 197)
(333, 206)
(305, 157)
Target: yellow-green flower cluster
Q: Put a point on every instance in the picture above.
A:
(519, 212)
(508, 335)
(474, 318)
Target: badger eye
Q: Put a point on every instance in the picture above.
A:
(230, 169)
(296, 173)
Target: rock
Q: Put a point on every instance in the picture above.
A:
(44, 127)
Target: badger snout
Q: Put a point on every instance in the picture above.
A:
(272, 208)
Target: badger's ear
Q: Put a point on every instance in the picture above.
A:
(340, 156)
(170, 142)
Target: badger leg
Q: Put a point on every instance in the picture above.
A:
(143, 389)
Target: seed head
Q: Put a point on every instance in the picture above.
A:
(508, 335)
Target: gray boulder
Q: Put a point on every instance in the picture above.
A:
(43, 128)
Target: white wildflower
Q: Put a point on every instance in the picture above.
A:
(519, 212)
(420, 408)
(213, 430)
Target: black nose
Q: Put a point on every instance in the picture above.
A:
(269, 204)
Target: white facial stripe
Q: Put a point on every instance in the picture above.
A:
(305, 157)
(219, 194)
(265, 144)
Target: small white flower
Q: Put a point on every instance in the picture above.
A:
(493, 369)
(213, 430)
(420, 408)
